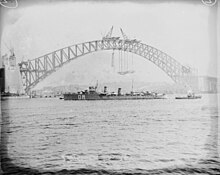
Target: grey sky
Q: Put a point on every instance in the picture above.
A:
(182, 29)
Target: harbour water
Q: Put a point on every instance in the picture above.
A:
(164, 136)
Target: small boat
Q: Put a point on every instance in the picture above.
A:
(193, 97)
(190, 96)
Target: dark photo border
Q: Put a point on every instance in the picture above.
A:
(210, 165)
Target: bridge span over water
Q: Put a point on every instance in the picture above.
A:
(35, 70)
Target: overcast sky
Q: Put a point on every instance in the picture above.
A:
(182, 29)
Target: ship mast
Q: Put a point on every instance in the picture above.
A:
(96, 86)
(132, 85)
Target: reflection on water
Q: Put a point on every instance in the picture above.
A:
(147, 135)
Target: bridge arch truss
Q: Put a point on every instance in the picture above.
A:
(34, 71)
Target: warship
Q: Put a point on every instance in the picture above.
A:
(92, 94)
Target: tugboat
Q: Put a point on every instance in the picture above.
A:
(190, 95)
(92, 94)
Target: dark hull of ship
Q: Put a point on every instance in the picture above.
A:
(100, 97)
(182, 98)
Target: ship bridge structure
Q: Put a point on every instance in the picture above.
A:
(35, 70)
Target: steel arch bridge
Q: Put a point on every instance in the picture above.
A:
(34, 71)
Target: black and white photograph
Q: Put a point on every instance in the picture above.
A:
(105, 87)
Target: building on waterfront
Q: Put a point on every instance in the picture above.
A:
(207, 84)
(10, 75)
(2, 80)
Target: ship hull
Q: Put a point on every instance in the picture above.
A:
(99, 97)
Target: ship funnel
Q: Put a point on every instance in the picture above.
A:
(119, 91)
(105, 89)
